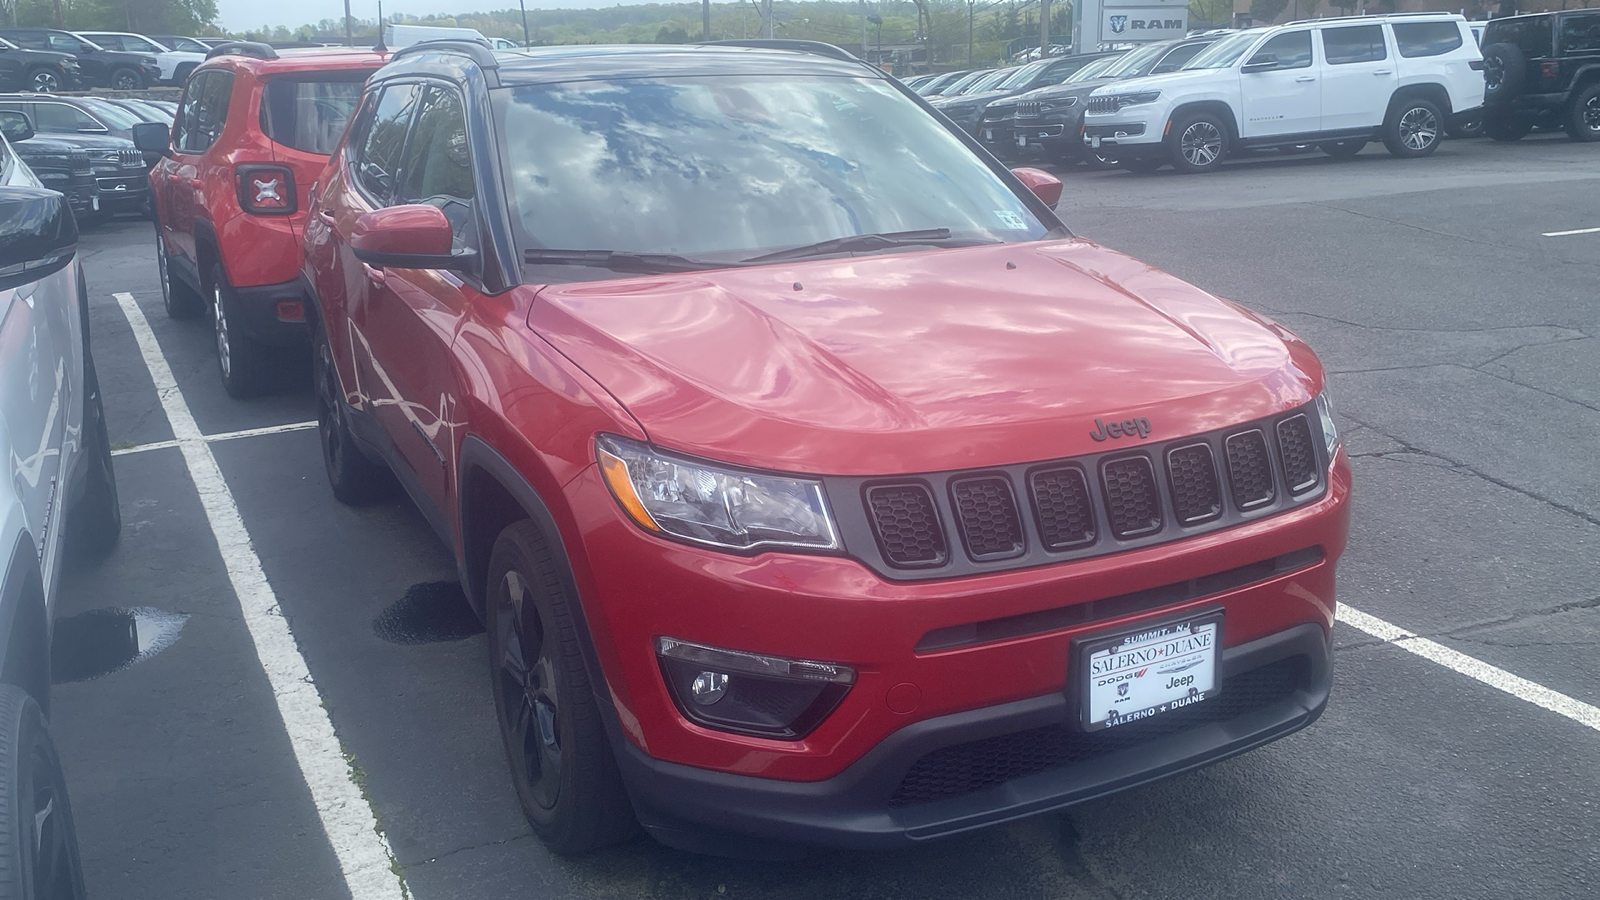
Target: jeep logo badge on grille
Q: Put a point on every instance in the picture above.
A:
(1125, 428)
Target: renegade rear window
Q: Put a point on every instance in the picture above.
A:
(309, 112)
(1426, 38)
(1532, 35)
(727, 168)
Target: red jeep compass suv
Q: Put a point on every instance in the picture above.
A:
(815, 483)
(251, 134)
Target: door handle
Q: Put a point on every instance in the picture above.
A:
(374, 275)
(1382, 72)
(173, 178)
(1305, 79)
(196, 183)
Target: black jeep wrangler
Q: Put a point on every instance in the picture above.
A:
(1543, 69)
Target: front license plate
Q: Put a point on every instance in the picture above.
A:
(1136, 675)
(1022, 140)
(1094, 141)
(988, 134)
(94, 203)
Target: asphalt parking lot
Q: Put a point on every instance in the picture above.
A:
(1465, 347)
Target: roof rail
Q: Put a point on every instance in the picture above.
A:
(479, 53)
(252, 49)
(816, 47)
(1393, 15)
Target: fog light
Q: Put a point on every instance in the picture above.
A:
(751, 693)
(708, 687)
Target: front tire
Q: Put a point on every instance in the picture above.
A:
(1413, 128)
(1583, 116)
(1198, 143)
(561, 762)
(126, 80)
(37, 835)
(244, 363)
(355, 479)
(44, 81)
(1341, 149)
(1506, 129)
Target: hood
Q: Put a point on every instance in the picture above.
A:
(922, 362)
(1156, 82)
(42, 145)
(1057, 91)
(90, 141)
(978, 99)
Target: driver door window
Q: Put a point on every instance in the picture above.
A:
(59, 118)
(1293, 50)
(62, 43)
(437, 169)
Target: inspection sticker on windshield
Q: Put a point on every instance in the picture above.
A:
(1010, 219)
(1129, 677)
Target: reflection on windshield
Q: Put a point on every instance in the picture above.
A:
(112, 114)
(1225, 52)
(731, 167)
(1136, 60)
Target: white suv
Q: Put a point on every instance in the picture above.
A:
(1337, 83)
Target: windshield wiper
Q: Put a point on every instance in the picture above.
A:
(621, 261)
(857, 242)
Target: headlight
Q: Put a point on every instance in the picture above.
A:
(1330, 431)
(69, 63)
(710, 505)
(1064, 103)
(151, 61)
(1136, 98)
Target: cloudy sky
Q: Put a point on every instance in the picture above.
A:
(237, 15)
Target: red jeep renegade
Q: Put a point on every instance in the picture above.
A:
(251, 133)
(815, 483)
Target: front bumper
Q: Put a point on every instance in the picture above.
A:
(946, 775)
(126, 191)
(846, 782)
(1122, 131)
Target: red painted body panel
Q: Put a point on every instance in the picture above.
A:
(923, 362)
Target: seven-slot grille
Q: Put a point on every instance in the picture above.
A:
(1137, 496)
(1103, 104)
(1029, 110)
(130, 158)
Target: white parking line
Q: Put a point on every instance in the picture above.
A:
(1575, 231)
(1497, 678)
(224, 436)
(365, 857)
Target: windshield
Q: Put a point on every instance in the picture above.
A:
(110, 113)
(1093, 70)
(8, 45)
(1024, 75)
(1227, 51)
(987, 83)
(1135, 60)
(727, 168)
(91, 45)
(962, 82)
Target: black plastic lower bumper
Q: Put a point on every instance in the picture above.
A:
(258, 316)
(867, 805)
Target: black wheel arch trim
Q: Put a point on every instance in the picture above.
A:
(1430, 90)
(1218, 108)
(24, 589)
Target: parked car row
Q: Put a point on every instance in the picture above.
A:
(726, 529)
(102, 173)
(48, 60)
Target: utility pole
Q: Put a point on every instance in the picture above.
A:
(1044, 29)
(767, 5)
(863, 5)
(349, 39)
(526, 41)
(705, 20)
(969, 33)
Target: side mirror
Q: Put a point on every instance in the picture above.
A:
(37, 235)
(1045, 186)
(1261, 62)
(16, 126)
(152, 137)
(407, 237)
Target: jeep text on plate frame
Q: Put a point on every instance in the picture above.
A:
(1158, 668)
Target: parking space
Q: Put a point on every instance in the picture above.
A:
(1463, 347)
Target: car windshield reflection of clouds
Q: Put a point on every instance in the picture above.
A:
(725, 168)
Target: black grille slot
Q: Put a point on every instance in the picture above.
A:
(978, 765)
(1029, 110)
(907, 525)
(1102, 104)
(1249, 469)
(990, 526)
(1299, 455)
(1066, 515)
(1192, 475)
(1132, 503)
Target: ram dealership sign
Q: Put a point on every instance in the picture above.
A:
(1139, 24)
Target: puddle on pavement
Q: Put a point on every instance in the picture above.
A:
(429, 613)
(101, 641)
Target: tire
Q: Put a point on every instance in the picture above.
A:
(1465, 129)
(95, 521)
(243, 362)
(561, 762)
(1583, 115)
(355, 479)
(1413, 128)
(180, 300)
(180, 75)
(1506, 129)
(1505, 72)
(1198, 143)
(1143, 165)
(1341, 149)
(126, 80)
(44, 81)
(38, 840)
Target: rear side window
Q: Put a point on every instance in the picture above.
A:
(378, 162)
(30, 41)
(1292, 48)
(66, 43)
(1426, 38)
(1533, 35)
(310, 113)
(1581, 33)
(1357, 44)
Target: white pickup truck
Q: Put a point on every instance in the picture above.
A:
(1337, 83)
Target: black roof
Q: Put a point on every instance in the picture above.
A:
(584, 62)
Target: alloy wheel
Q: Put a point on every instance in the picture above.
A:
(525, 646)
(1591, 114)
(329, 422)
(125, 82)
(224, 355)
(1201, 144)
(1494, 72)
(46, 83)
(1419, 128)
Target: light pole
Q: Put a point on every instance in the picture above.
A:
(349, 40)
(524, 7)
(969, 33)
(878, 55)
(705, 20)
